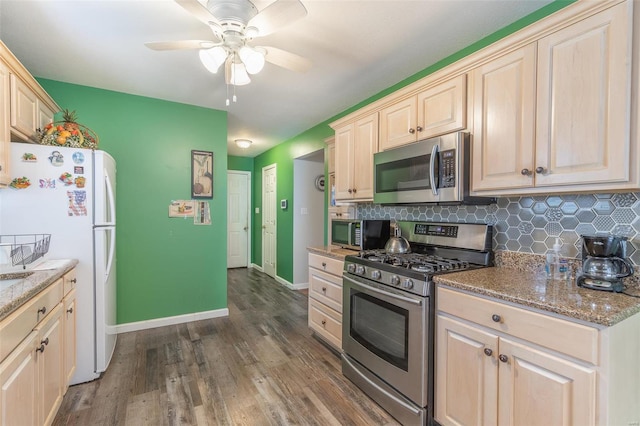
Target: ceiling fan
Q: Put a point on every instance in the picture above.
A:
(235, 23)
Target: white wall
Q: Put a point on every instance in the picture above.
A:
(308, 212)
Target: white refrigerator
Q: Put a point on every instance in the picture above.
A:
(72, 197)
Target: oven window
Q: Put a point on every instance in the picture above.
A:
(381, 327)
(403, 175)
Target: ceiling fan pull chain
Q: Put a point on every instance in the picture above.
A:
(227, 103)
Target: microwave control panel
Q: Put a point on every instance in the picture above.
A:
(448, 168)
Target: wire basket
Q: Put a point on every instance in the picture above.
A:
(23, 249)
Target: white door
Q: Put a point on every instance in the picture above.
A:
(238, 195)
(269, 203)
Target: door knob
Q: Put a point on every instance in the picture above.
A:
(264, 227)
(245, 228)
(74, 280)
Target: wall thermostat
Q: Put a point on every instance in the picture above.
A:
(283, 204)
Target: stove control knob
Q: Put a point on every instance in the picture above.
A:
(351, 268)
(376, 275)
(395, 280)
(408, 283)
(360, 270)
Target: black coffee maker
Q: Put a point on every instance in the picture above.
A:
(604, 262)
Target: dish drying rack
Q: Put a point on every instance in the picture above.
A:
(23, 249)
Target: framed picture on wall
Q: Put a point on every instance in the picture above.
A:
(201, 174)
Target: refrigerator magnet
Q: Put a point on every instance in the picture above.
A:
(77, 157)
(66, 178)
(20, 183)
(56, 158)
(80, 181)
(78, 170)
(29, 157)
(48, 183)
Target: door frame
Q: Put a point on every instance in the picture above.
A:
(275, 225)
(249, 217)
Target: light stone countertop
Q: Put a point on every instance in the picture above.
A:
(531, 289)
(14, 296)
(332, 251)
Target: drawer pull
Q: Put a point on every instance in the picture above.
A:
(70, 310)
(40, 349)
(496, 318)
(324, 322)
(45, 342)
(324, 289)
(74, 280)
(42, 310)
(488, 352)
(503, 358)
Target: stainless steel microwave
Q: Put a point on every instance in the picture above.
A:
(432, 170)
(360, 234)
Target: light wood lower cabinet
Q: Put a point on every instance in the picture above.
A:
(325, 298)
(38, 355)
(499, 364)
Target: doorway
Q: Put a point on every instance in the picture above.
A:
(269, 210)
(238, 219)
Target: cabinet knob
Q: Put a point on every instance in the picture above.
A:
(412, 131)
(74, 280)
(540, 170)
(350, 190)
(70, 310)
(40, 349)
(324, 265)
(0, 168)
(324, 289)
(354, 190)
(42, 310)
(324, 322)
(488, 352)
(419, 128)
(525, 172)
(45, 342)
(503, 358)
(496, 318)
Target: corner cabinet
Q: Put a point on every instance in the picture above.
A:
(325, 298)
(554, 116)
(434, 111)
(514, 366)
(355, 144)
(35, 356)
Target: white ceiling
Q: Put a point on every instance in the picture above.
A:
(358, 48)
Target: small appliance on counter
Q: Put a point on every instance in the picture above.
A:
(356, 234)
(604, 263)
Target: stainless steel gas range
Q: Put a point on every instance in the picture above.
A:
(389, 313)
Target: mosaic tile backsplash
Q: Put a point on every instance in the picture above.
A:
(531, 224)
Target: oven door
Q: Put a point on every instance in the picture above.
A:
(387, 331)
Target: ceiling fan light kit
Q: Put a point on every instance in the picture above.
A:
(234, 24)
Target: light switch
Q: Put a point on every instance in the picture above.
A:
(304, 210)
(257, 210)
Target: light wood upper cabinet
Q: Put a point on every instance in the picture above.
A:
(434, 111)
(5, 137)
(554, 116)
(355, 145)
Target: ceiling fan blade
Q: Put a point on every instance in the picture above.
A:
(180, 45)
(198, 10)
(277, 15)
(285, 59)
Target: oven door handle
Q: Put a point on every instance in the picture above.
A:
(385, 293)
(414, 410)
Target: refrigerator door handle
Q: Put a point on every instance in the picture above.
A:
(111, 202)
(112, 251)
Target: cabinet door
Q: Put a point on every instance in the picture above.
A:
(398, 124)
(18, 385)
(344, 163)
(365, 145)
(537, 388)
(50, 365)
(466, 374)
(504, 121)
(69, 341)
(45, 115)
(583, 105)
(5, 137)
(24, 109)
(442, 108)
(331, 156)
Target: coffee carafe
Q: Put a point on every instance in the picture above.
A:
(604, 262)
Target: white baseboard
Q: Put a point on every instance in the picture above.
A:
(258, 267)
(178, 319)
(284, 282)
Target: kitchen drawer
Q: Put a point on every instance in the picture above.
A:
(327, 264)
(326, 322)
(20, 323)
(69, 281)
(326, 288)
(564, 336)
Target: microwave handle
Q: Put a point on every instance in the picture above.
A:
(432, 171)
(350, 234)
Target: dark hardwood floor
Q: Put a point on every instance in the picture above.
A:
(259, 366)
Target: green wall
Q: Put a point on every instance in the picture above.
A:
(313, 139)
(244, 164)
(166, 266)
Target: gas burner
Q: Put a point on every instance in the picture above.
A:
(422, 268)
